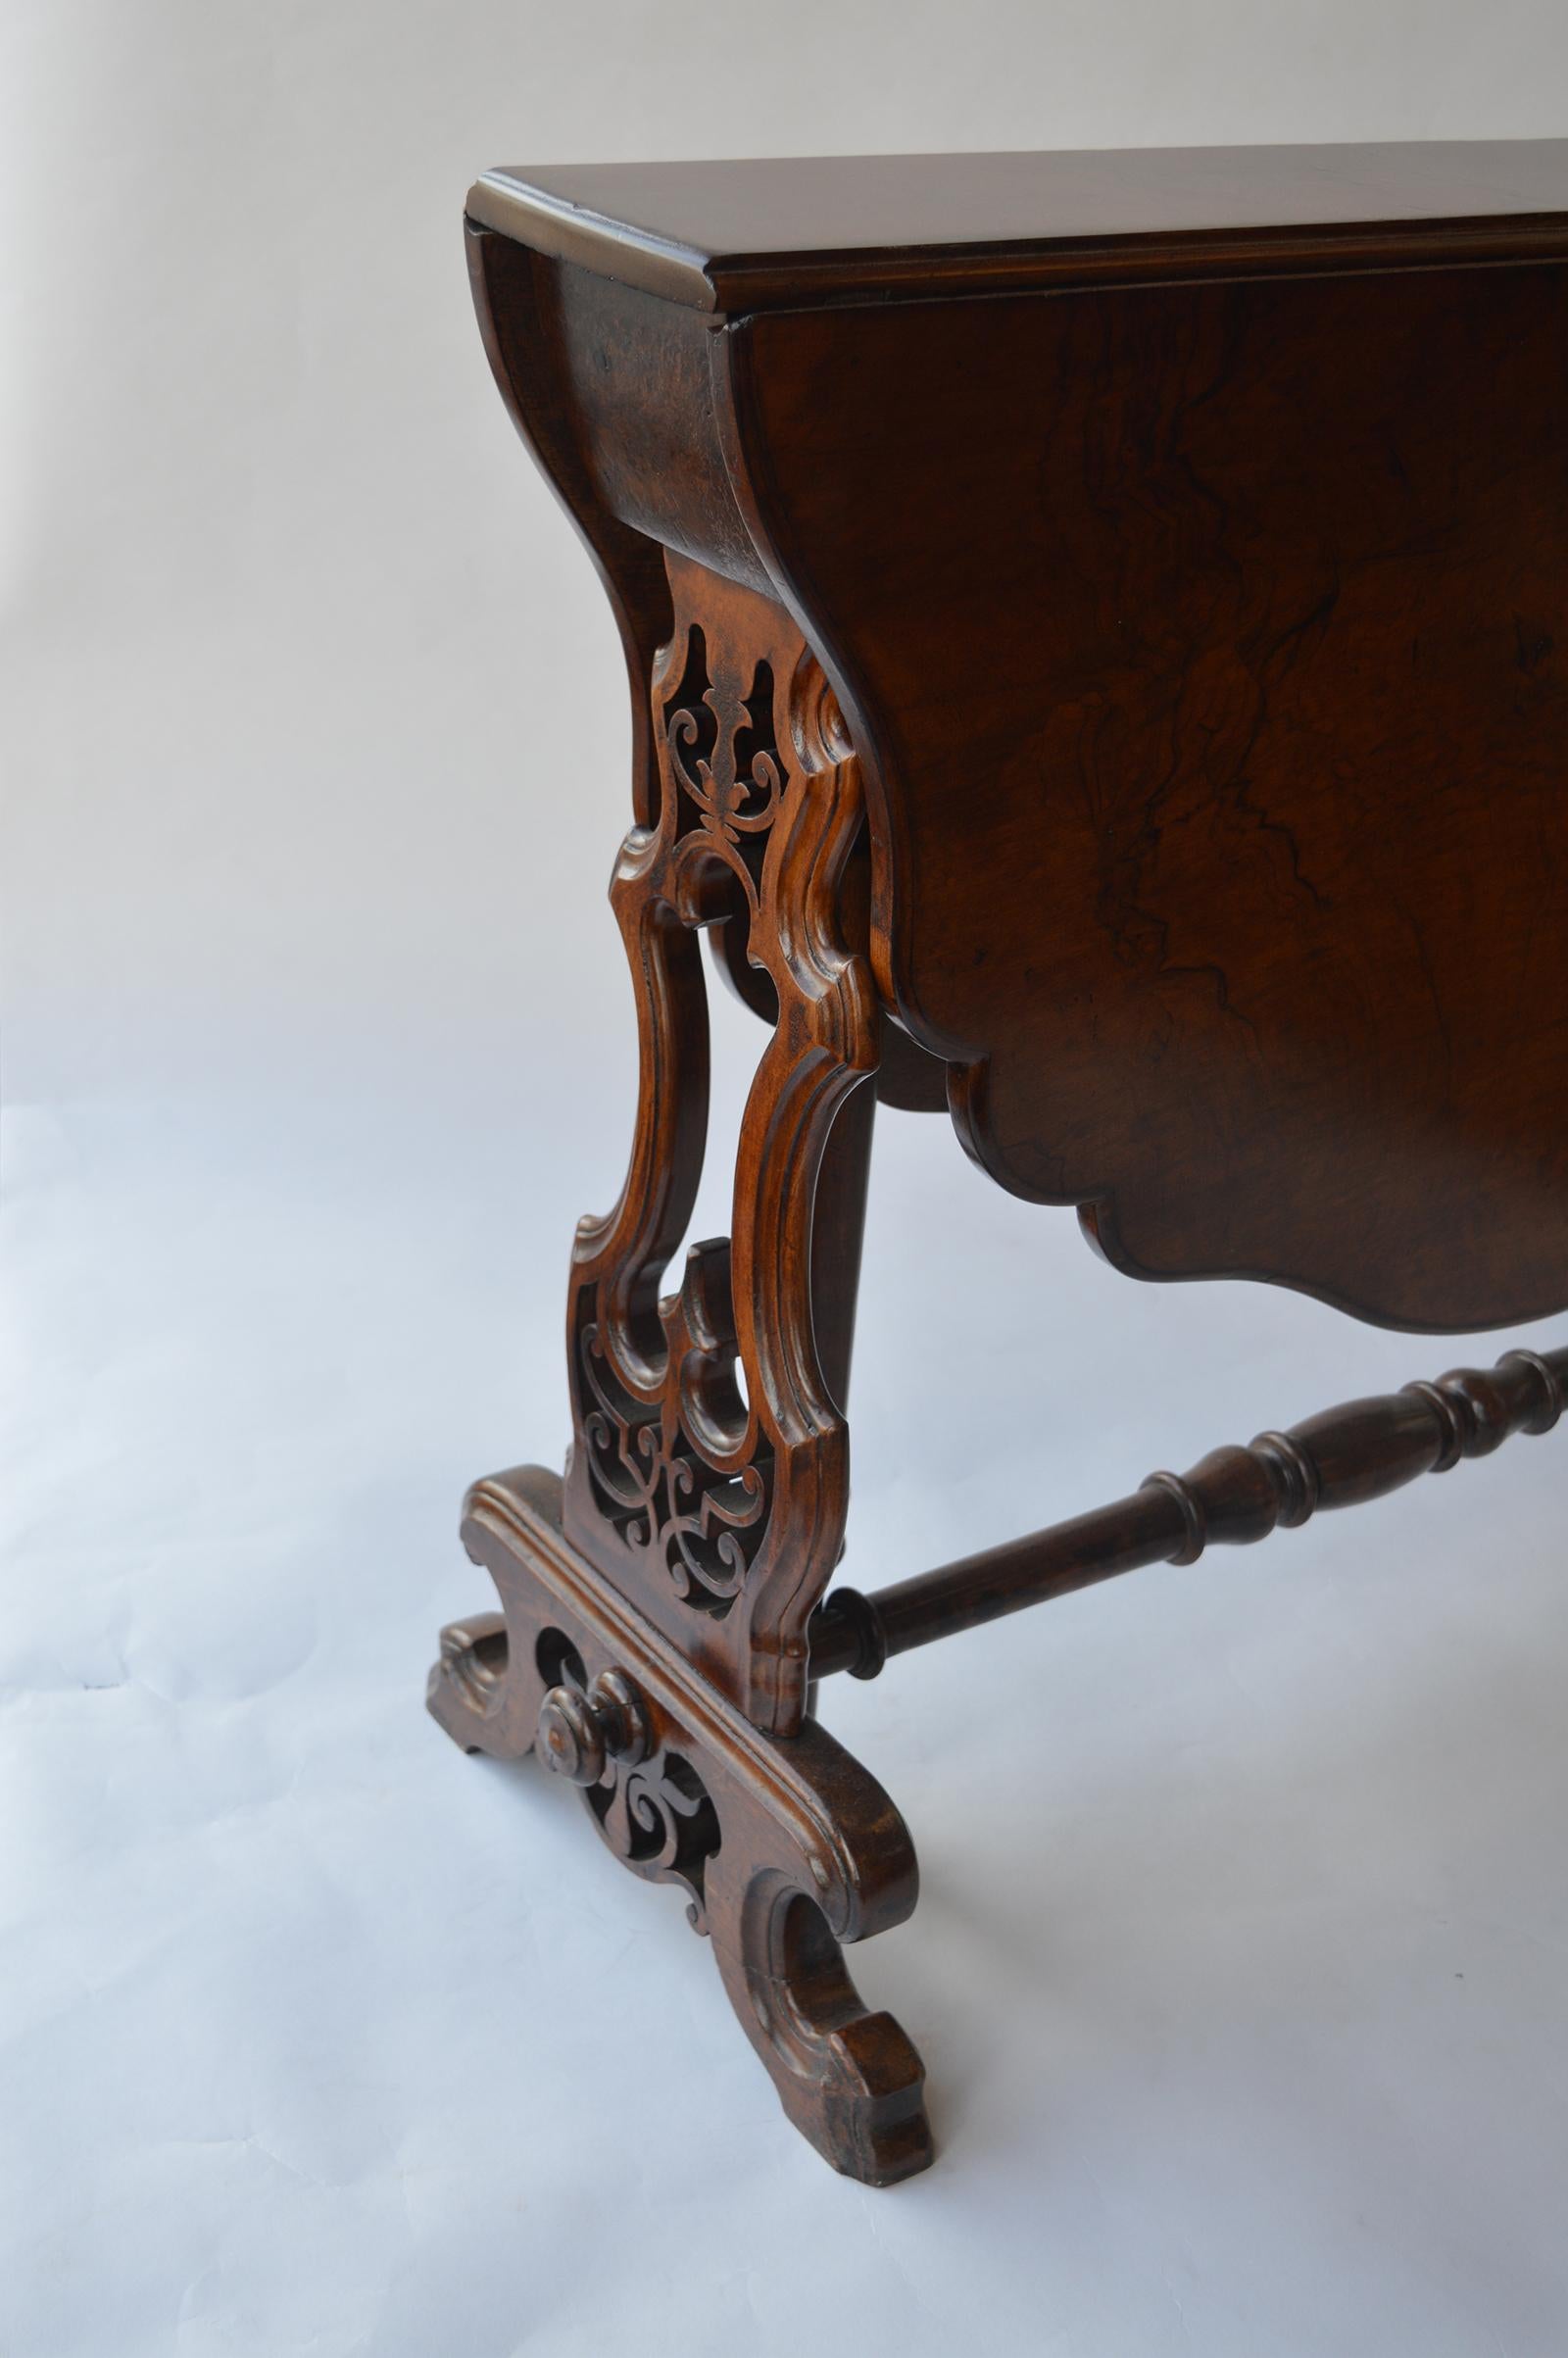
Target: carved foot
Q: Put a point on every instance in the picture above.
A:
(785, 1849)
(849, 2079)
(467, 1690)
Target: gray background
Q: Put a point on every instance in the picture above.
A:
(313, 2035)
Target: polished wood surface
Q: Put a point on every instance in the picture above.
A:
(762, 232)
(722, 1512)
(1341, 1456)
(1214, 699)
(1128, 710)
(782, 1852)
(1203, 649)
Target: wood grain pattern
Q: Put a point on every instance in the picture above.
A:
(784, 1851)
(1131, 711)
(709, 1471)
(1211, 704)
(1213, 695)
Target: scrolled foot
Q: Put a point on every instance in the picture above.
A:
(784, 1847)
(849, 2079)
(467, 1692)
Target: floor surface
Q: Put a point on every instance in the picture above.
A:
(1238, 1963)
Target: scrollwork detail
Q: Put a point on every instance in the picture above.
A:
(707, 1467)
(658, 1820)
(669, 1504)
(728, 765)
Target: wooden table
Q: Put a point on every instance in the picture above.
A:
(1098, 631)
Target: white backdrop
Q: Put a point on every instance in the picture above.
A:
(315, 2037)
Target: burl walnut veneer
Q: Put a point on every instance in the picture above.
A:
(1098, 631)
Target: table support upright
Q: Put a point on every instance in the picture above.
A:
(654, 1643)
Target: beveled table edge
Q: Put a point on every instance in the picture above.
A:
(722, 282)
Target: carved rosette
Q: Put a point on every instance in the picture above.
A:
(708, 1472)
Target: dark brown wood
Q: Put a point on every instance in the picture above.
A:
(1343, 1457)
(838, 1232)
(719, 1504)
(784, 1850)
(1194, 842)
(1213, 702)
(762, 232)
(1129, 709)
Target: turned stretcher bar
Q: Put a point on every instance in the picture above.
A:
(1235, 1495)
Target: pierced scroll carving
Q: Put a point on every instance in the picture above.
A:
(659, 1821)
(786, 1852)
(671, 1508)
(738, 797)
(716, 1498)
(647, 1801)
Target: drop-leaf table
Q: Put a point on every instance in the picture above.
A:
(1098, 631)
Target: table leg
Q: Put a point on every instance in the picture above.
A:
(653, 1645)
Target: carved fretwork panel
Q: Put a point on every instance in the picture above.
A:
(708, 1472)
